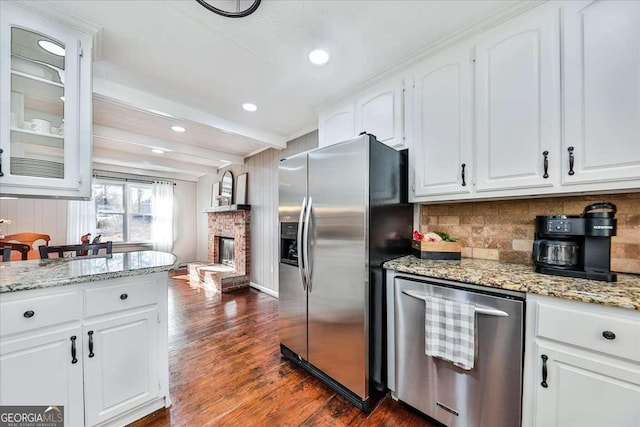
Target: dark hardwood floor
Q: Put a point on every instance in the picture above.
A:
(226, 370)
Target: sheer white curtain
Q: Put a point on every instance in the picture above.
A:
(81, 219)
(162, 230)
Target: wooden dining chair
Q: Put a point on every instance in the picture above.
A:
(28, 239)
(8, 247)
(76, 250)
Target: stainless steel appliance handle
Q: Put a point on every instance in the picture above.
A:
(299, 244)
(479, 309)
(305, 253)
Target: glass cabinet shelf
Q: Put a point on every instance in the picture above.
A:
(37, 69)
(26, 136)
(36, 87)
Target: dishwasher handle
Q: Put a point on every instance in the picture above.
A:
(478, 309)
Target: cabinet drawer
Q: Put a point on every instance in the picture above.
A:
(106, 299)
(584, 329)
(38, 312)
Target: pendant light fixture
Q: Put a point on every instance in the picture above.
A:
(226, 8)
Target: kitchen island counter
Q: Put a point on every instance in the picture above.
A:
(100, 323)
(38, 274)
(624, 293)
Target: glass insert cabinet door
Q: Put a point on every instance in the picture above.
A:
(43, 140)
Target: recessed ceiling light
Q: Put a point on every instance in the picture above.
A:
(319, 56)
(62, 98)
(8, 198)
(51, 47)
(176, 128)
(157, 151)
(247, 106)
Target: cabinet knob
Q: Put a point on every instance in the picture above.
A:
(124, 296)
(609, 335)
(29, 314)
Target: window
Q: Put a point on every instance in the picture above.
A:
(123, 211)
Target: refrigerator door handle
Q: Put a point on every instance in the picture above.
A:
(300, 245)
(305, 253)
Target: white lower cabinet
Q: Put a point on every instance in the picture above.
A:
(121, 364)
(39, 369)
(117, 331)
(582, 390)
(582, 365)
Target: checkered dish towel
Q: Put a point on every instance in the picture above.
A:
(450, 331)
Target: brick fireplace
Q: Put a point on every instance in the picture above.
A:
(227, 222)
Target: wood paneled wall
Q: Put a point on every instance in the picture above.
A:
(262, 191)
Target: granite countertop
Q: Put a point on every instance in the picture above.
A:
(624, 293)
(36, 274)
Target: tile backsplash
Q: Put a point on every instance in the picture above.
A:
(503, 230)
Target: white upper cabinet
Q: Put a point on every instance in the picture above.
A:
(601, 92)
(380, 111)
(45, 106)
(549, 104)
(336, 125)
(518, 103)
(442, 153)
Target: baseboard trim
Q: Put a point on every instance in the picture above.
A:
(136, 413)
(263, 289)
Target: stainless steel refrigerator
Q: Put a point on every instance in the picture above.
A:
(343, 212)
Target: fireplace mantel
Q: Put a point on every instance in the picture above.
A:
(228, 208)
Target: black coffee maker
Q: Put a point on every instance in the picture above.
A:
(576, 246)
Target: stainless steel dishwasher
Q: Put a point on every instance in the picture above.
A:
(489, 395)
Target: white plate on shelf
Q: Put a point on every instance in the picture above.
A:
(36, 167)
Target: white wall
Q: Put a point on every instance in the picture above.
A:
(49, 216)
(184, 224)
(203, 200)
(46, 216)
